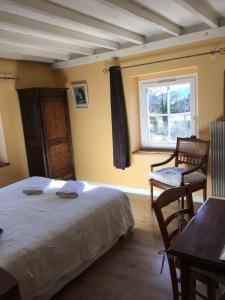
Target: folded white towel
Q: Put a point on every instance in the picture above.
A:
(33, 191)
(71, 189)
(35, 188)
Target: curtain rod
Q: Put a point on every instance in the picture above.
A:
(7, 77)
(212, 52)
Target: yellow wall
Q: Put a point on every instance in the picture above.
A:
(28, 75)
(91, 128)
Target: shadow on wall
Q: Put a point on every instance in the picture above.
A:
(32, 74)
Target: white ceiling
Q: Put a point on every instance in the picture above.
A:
(72, 32)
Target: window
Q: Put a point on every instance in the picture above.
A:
(167, 110)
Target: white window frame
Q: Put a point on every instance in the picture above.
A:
(144, 124)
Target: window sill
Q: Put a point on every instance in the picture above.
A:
(153, 151)
(4, 164)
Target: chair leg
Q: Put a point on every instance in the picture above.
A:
(181, 203)
(193, 288)
(173, 277)
(204, 193)
(211, 290)
(151, 195)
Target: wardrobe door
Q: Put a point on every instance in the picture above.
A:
(32, 128)
(57, 137)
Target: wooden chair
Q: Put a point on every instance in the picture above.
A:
(191, 153)
(222, 297)
(170, 231)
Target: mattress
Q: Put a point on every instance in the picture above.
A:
(47, 240)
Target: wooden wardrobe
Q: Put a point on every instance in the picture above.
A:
(47, 132)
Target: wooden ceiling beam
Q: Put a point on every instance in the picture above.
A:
(9, 21)
(25, 39)
(66, 18)
(13, 47)
(146, 14)
(16, 56)
(152, 45)
(202, 10)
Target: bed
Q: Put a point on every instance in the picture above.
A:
(47, 240)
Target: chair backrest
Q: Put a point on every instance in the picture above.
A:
(168, 232)
(169, 196)
(192, 151)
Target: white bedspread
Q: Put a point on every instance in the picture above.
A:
(46, 237)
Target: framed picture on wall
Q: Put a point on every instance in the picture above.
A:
(80, 95)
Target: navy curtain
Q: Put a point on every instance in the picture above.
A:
(121, 158)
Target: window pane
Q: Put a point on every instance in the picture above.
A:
(157, 100)
(180, 125)
(179, 96)
(158, 129)
(167, 110)
(164, 128)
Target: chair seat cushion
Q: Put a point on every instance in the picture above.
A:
(173, 176)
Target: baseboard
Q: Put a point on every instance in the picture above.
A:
(127, 189)
(123, 188)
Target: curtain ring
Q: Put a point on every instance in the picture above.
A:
(105, 70)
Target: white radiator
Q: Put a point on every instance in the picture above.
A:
(218, 158)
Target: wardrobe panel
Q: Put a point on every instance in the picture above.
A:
(47, 133)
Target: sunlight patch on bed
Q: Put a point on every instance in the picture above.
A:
(54, 184)
(57, 184)
(89, 187)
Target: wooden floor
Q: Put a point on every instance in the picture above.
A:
(130, 270)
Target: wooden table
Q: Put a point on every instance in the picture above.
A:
(9, 289)
(201, 243)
